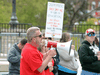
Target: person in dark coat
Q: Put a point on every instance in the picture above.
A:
(89, 54)
(14, 55)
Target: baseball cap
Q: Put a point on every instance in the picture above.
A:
(89, 31)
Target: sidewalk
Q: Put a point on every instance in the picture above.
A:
(4, 73)
(4, 65)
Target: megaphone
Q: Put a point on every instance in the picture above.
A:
(60, 46)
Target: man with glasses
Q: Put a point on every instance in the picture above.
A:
(32, 61)
(89, 54)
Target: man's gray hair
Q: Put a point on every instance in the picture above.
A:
(31, 32)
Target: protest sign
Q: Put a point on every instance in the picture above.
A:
(54, 22)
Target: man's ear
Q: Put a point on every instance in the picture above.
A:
(34, 39)
(19, 44)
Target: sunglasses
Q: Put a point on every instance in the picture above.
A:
(39, 36)
(44, 38)
(91, 34)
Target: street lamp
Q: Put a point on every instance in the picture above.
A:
(13, 17)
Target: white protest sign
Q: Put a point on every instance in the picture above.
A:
(54, 22)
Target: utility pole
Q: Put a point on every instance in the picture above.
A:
(13, 17)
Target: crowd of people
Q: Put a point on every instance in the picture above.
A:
(31, 56)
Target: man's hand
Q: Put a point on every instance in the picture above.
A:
(52, 53)
(50, 65)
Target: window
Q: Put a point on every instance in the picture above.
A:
(93, 5)
(99, 4)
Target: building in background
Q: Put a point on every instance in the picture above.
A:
(93, 4)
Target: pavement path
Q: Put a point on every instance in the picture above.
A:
(4, 65)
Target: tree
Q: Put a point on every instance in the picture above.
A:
(5, 11)
(76, 11)
(31, 11)
(35, 11)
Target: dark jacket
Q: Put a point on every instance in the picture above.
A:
(88, 59)
(14, 55)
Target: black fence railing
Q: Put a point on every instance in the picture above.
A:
(80, 29)
(14, 28)
(22, 28)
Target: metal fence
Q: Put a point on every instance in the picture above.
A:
(14, 28)
(10, 34)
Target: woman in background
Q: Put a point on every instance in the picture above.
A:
(49, 68)
(68, 64)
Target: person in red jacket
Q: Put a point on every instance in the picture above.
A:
(32, 62)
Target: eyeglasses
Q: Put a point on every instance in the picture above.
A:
(44, 38)
(93, 34)
(39, 36)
